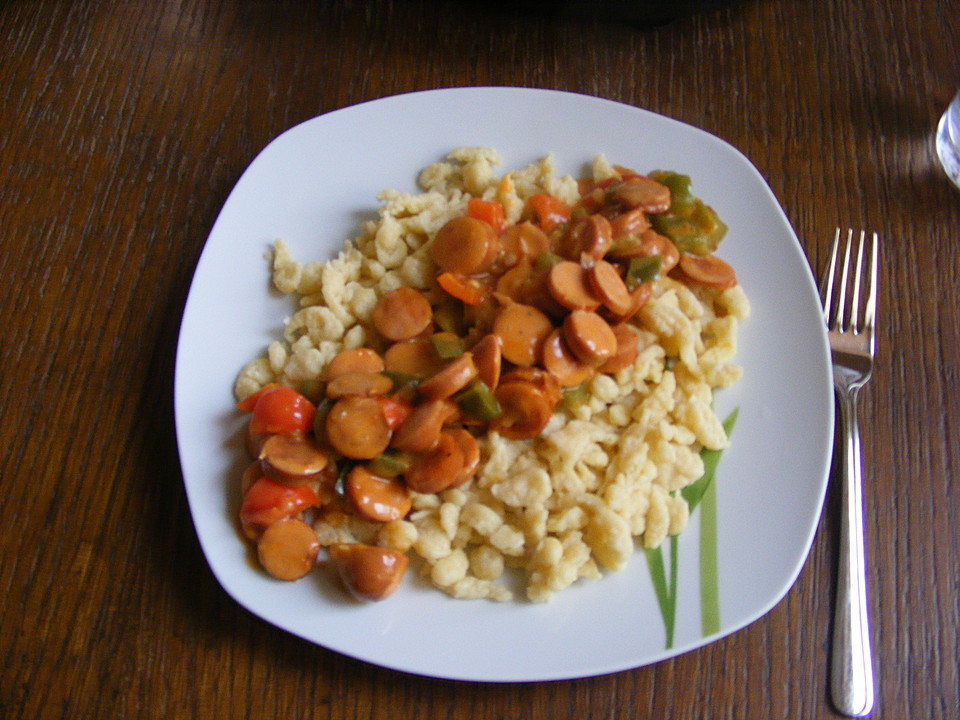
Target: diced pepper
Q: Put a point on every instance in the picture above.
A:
(394, 411)
(643, 269)
(681, 200)
(490, 211)
(574, 397)
(478, 402)
(448, 316)
(250, 401)
(281, 409)
(709, 223)
(447, 345)
(390, 463)
(549, 211)
(545, 261)
(468, 290)
(698, 232)
(693, 226)
(266, 502)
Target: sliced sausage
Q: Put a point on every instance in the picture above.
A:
(523, 240)
(544, 382)
(560, 362)
(356, 428)
(536, 292)
(437, 468)
(354, 360)
(366, 384)
(642, 192)
(589, 337)
(522, 328)
(708, 270)
(377, 498)
(624, 248)
(449, 380)
(471, 454)
(487, 357)
(513, 283)
(291, 459)
(412, 357)
(526, 410)
(606, 284)
(653, 243)
(626, 352)
(590, 237)
(368, 572)
(267, 501)
(632, 222)
(639, 297)
(402, 314)
(648, 244)
(288, 549)
(420, 431)
(569, 285)
(465, 245)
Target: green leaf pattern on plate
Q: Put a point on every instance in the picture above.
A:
(702, 494)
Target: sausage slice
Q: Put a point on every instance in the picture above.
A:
(560, 362)
(626, 352)
(402, 314)
(606, 283)
(526, 410)
(420, 431)
(369, 573)
(416, 356)
(288, 549)
(377, 498)
(450, 380)
(569, 285)
(291, 459)
(522, 328)
(590, 237)
(438, 468)
(354, 360)
(357, 428)
(589, 337)
(642, 192)
(366, 384)
(465, 245)
(487, 356)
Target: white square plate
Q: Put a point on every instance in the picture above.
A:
(312, 186)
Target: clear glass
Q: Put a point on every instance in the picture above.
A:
(948, 140)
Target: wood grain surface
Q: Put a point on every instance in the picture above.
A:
(123, 127)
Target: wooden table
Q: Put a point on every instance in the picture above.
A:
(124, 127)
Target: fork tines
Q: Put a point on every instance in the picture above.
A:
(839, 314)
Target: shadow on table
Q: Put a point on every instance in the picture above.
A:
(643, 13)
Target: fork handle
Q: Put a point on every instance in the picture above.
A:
(851, 675)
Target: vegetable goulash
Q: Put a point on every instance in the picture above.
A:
(503, 383)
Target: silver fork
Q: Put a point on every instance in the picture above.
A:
(850, 320)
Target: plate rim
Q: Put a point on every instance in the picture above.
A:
(516, 91)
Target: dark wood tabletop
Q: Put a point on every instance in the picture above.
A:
(124, 126)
